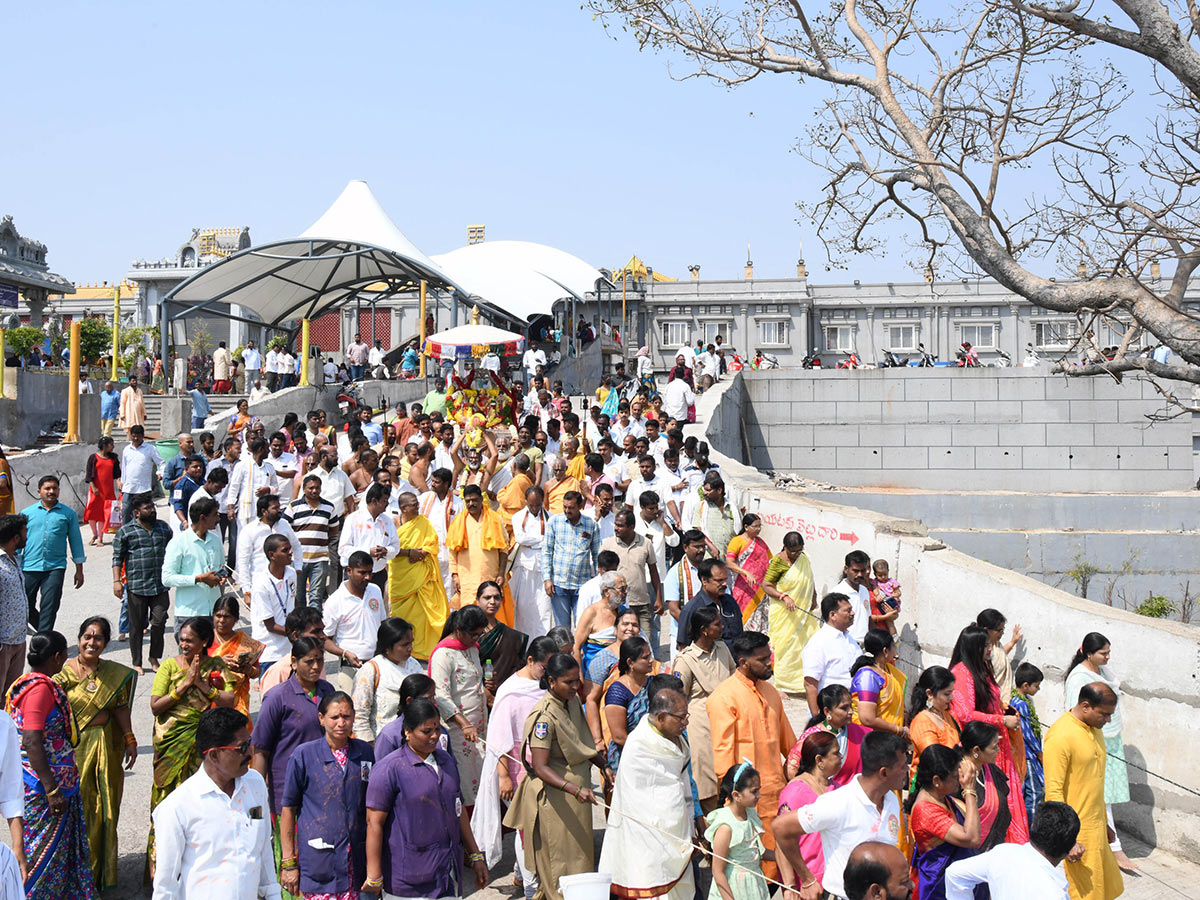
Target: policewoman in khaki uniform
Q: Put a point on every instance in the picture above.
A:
(552, 807)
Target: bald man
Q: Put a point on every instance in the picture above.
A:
(877, 871)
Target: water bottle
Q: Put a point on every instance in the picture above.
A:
(489, 670)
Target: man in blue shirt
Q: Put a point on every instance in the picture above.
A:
(110, 408)
(175, 468)
(371, 429)
(200, 407)
(52, 526)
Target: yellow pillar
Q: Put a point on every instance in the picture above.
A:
(304, 353)
(116, 348)
(421, 345)
(2, 374)
(72, 436)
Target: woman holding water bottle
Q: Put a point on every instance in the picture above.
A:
(502, 648)
(457, 673)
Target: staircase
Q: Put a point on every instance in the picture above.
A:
(219, 402)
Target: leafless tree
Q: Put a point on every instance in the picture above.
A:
(932, 112)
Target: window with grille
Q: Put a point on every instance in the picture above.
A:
(981, 337)
(674, 334)
(902, 337)
(1055, 335)
(839, 338)
(774, 332)
(712, 329)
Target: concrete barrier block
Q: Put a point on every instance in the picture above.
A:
(887, 435)
(1046, 458)
(782, 387)
(1021, 389)
(837, 389)
(1001, 411)
(1095, 458)
(860, 411)
(908, 411)
(951, 457)
(974, 435)
(927, 388)
(1135, 410)
(885, 389)
(973, 386)
(808, 458)
(1175, 433)
(1105, 388)
(1143, 458)
(797, 434)
(819, 412)
(1180, 458)
(1063, 387)
(1047, 411)
(1112, 434)
(773, 413)
(835, 435)
(928, 435)
(1093, 410)
(906, 457)
(1007, 457)
(1058, 435)
(859, 458)
(1024, 435)
(952, 411)
(798, 389)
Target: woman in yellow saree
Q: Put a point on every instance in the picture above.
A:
(239, 651)
(415, 590)
(185, 687)
(100, 691)
(748, 557)
(790, 617)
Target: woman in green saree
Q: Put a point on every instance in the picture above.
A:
(185, 687)
(100, 691)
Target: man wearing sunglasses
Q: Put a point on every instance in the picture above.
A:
(213, 833)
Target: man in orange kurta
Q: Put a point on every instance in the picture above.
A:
(747, 720)
(510, 499)
(558, 488)
(478, 546)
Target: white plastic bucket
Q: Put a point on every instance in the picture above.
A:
(588, 886)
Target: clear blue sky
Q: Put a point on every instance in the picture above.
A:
(128, 124)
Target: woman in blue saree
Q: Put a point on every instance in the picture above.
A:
(945, 829)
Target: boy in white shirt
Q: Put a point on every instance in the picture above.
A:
(271, 599)
(352, 617)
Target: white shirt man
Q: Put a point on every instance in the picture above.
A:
(252, 360)
(362, 531)
(251, 560)
(210, 844)
(285, 467)
(533, 609)
(845, 818)
(272, 598)
(258, 392)
(828, 656)
(353, 622)
(442, 458)
(330, 369)
(138, 465)
(657, 448)
(655, 533)
(533, 358)
(242, 494)
(375, 357)
(336, 489)
(1011, 872)
(677, 397)
(272, 361)
(860, 602)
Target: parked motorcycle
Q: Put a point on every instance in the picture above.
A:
(892, 361)
(967, 356)
(928, 360)
(1004, 361)
(850, 362)
(812, 361)
(348, 402)
(1032, 360)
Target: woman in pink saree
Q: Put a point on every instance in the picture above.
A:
(748, 557)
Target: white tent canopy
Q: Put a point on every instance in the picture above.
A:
(353, 244)
(522, 277)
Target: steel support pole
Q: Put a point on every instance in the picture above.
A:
(72, 435)
(304, 353)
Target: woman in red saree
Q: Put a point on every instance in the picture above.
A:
(102, 471)
(748, 556)
(977, 699)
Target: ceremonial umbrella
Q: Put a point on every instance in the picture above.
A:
(467, 341)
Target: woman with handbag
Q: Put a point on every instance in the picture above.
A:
(103, 477)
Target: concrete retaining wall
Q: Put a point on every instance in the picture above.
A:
(1158, 662)
(978, 429)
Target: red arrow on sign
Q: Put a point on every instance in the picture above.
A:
(849, 536)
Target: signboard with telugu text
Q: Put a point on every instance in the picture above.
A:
(8, 296)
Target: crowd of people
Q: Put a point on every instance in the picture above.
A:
(457, 632)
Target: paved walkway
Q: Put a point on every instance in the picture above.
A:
(1164, 877)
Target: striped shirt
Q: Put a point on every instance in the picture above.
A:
(311, 527)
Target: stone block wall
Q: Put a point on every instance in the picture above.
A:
(1015, 429)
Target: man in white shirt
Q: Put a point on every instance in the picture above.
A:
(533, 358)
(251, 558)
(676, 486)
(139, 462)
(683, 580)
(830, 652)
(651, 523)
(371, 530)
(338, 492)
(272, 367)
(440, 506)
(677, 397)
(855, 576)
(1022, 871)
(352, 617)
(251, 362)
(257, 391)
(602, 511)
(252, 477)
(273, 596)
(865, 809)
(375, 361)
(656, 443)
(213, 833)
(533, 614)
(442, 456)
(877, 871)
(285, 466)
(649, 481)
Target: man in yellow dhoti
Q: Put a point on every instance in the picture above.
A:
(559, 486)
(415, 590)
(573, 453)
(510, 499)
(789, 585)
(478, 546)
(1074, 757)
